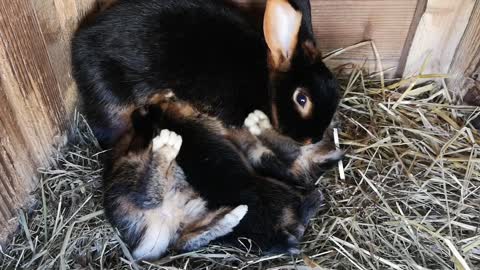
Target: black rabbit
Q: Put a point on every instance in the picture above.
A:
(211, 56)
(148, 199)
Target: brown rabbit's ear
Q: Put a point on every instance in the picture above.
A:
(281, 25)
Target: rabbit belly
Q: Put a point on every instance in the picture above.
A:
(163, 224)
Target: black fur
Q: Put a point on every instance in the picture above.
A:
(216, 169)
(203, 49)
(221, 174)
(147, 198)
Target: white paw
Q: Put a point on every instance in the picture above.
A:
(168, 144)
(234, 217)
(239, 212)
(257, 122)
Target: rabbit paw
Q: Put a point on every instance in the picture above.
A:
(167, 144)
(230, 220)
(257, 122)
(236, 215)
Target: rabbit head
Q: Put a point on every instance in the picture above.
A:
(304, 93)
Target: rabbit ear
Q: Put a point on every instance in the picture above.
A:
(281, 25)
(311, 51)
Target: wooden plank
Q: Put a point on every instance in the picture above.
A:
(24, 51)
(420, 10)
(13, 175)
(58, 19)
(341, 23)
(465, 68)
(32, 111)
(37, 91)
(438, 35)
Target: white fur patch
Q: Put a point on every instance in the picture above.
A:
(221, 228)
(233, 218)
(195, 208)
(156, 239)
(168, 143)
(162, 224)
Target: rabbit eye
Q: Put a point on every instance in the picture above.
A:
(302, 100)
(303, 104)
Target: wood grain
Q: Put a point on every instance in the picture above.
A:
(341, 23)
(58, 20)
(35, 82)
(465, 68)
(420, 10)
(13, 176)
(438, 35)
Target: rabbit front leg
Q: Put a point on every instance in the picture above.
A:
(260, 158)
(285, 148)
(270, 153)
(210, 227)
(301, 163)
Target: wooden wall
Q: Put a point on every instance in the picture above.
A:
(440, 30)
(341, 23)
(37, 93)
(465, 67)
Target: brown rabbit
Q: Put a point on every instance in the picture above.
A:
(275, 155)
(149, 201)
(221, 165)
(148, 198)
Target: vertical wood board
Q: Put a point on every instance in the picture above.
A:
(35, 84)
(438, 35)
(341, 23)
(465, 68)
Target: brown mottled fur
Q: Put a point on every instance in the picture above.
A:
(133, 191)
(281, 160)
(266, 151)
(148, 200)
(273, 154)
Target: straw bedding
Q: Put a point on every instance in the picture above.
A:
(410, 198)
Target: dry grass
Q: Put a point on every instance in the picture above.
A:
(411, 198)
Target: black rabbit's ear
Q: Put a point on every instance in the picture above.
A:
(311, 51)
(281, 25)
